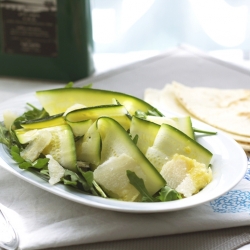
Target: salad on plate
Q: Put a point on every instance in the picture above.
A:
(108, 144)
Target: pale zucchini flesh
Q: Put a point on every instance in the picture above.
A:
(146, 132)
(61, 146)
(88, 148)
(171, 141)
(184, 124)
(80, 128)
(116, 141)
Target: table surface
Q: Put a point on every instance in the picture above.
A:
(11, 87)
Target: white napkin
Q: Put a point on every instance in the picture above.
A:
(44, 220)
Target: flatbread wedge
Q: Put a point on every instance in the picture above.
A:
(226, 109)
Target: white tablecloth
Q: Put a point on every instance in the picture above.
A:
(44, 220)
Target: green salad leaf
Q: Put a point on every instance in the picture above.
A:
(168, 194)
(143, 115)
(84, 182)
(204, 131)
(32, 114)
(165, 194)
(71, 85)
(5, 137)
(93, 186)
(138, 183)
(40, 163)
(88, 86)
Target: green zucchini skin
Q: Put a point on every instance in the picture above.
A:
(76, 118)
(88, 148)
(146, 132)
(116, 141)
(58, 100)
(80, 128)
(50, 121)
(61, 147)
(185, 125)
(117, 112)
(170, 141)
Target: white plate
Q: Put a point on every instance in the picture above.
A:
(229, 167)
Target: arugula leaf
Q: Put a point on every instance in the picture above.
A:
(5, 137)
(73, 179)
(154, 112)
(165, 194)
(41, 163)
(204, 131)
(15, 153)
(93, 186)
(143, 115)
(88, 86)
(138, 183)
(69, 85)
(168, 194)
(45, 173)
(32, 114)
(99, 190)
(88, 176)
(25, 165)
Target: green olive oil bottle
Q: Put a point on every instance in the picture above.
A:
(46, 39)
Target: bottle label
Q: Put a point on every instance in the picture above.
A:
(29, 27)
